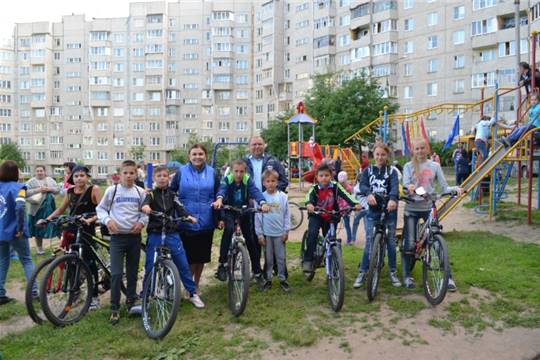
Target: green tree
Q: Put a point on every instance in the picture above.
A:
(11, 151)
(137, 152)
(275, 135)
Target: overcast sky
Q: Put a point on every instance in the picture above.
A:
(17, 11)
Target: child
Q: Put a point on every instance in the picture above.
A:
(164, 200)
(236, 189)
(272, 229)
(82, 198)
(343, 181)
(120, 211)
(324, 194)
(382, 179)
(534, 122)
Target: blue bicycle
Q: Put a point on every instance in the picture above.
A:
(328, 248)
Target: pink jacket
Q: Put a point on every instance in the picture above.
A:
(342, 203)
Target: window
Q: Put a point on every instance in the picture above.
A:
(482, 4)
(482, 27)
(99, 35)
(408, 4)
(459, 86)
(407, 69)
(408, 24)
(433, 18)
(408, 47)
(433, 65)
(407, 92)
(432, 42)
(389, 47)
(488, 55)
(360, 10)
(459, 61)
(459, 12)
(458, 37)
(483, 79)
(344, 20)
(432, 89)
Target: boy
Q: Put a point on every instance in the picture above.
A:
(163, 199)
(272, 229)
(120, 211)
(236, 189)
(324, 194)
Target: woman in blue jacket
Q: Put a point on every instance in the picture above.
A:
(196, 184)
(13, 225)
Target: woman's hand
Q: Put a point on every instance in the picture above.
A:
(218, 203)
(392, 205)
(41, 222)
(192, 220)
(371, 200)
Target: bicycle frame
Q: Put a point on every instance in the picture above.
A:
(329, 241)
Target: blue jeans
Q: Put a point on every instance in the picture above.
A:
(371, 220)
(517, 133)
(347, 226)
(172, 241)
(357, 217)
(22, 247)
(481, 146)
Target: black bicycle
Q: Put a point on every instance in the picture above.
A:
(67, 285)
(161, 290)
(238, 262)
(328, 248)
(431, 249)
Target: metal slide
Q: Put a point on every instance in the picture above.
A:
(482, 171)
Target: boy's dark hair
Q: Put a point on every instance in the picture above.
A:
(9, 171)
(69, 164)
(127, 163)
(324, 167)
(525, 65)
(239, 162)
(161, 168)
(270, 172)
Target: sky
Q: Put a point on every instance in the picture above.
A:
(17, 11)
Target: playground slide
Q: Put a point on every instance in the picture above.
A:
(482, 171)
(315, 154)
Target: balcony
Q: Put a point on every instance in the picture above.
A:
(175, 102)
(285, 96)
(222, 85)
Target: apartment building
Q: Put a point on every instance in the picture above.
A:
(7, 93)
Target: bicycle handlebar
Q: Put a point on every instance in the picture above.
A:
(241, 210)
(432, 197)
(166, 217)
(67, 219)
(319, 210)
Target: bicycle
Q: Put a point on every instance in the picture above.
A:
(238, 264)
(66, 287)
(161, 289)
(329, 249)
(431, 249)
(296, 216)
(376, 256)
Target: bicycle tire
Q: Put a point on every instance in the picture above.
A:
(238, 279)
(435, 261)
(296, 215)
(336, 279)
(67, 277)
(29, 300)
(166, 292)
(375, 266)
(303, 249)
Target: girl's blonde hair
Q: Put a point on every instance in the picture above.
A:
(415, 162)
(384, 147)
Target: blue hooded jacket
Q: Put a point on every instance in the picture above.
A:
(12, 210)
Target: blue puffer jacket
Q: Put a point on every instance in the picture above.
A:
(12, 208)
(196, 191)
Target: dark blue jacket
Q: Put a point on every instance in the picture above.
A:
(12, 210)
(271, 163)
(247, 186)
(196, 191)
(382, 181)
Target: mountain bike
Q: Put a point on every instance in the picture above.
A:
(328, 248)
(161, 289)
(296, 216)
(431, 249)
(67, 284)
(376, 256)
(238, 273)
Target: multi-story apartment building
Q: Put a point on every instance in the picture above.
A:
(103, 90)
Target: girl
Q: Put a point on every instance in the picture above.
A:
(342, 179)
(380, 179)
(81, 198)
(420, 172)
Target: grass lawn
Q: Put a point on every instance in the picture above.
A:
(510, 271)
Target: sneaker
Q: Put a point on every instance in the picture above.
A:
(284, 285)
(135, 310)
(4, 300)
(394, 279)
(40, 252)
(196, 301)
(94, 304)
(267, 286)
(409, 283)
(259, 278)
(452, 285)
(221, 273)
(115, 318)
(505, 142)
(307, 266)
(359, 280)
(131, 303)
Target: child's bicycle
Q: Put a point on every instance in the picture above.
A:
(161, 290)
(329, 250)
(431, 249)
(66, 284)
(238, 262)
(378, 247)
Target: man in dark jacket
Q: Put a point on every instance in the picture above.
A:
(525, 76)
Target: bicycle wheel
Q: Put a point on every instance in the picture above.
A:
(435, 270)
(375, 266)
(161, 299)
(336, 279)
(238, 280)
(66, 290)
(296, 215)
(33, 307)
(303, 249)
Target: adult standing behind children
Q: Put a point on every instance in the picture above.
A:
(13, 226)
(120, 211)
(197, 184)
(40, 195)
